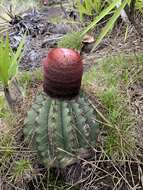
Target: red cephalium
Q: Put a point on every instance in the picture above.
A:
(62, 73)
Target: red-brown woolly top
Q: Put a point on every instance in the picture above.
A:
(62, 73)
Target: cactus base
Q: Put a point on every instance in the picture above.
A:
(61, 130)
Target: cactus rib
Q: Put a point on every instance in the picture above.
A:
(61, 129)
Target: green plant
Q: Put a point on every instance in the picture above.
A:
(2, 106)
(90, 7)
(110, 97)
(110, 24)
(94, 7)
(72, 40)
(109, 82)
(6, 149)
(108, 27)
(20, 169)
(10, 12)
(9, 64)
(26, 78)
(60, 125)
(113, 8)
(139, 5)
(60, 129)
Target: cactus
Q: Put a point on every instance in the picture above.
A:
(61, 128)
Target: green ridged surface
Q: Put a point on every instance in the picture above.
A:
(59, 130)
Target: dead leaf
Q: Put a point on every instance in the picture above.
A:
(88, 39)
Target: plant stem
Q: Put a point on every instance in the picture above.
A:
(15, 82)
(8, 97)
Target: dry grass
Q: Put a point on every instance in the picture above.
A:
(116, 92)
(117, 160)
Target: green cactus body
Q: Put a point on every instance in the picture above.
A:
(60, 124)
(60, 129)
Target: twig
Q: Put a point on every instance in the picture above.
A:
(63, 9)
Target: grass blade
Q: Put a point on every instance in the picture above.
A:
(101, 16)
(16, 58)
(110, 24)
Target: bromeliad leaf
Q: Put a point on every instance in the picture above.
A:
(4, 60)
(9, 60)
(110, 23)
(16, 59)
(98, 18)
